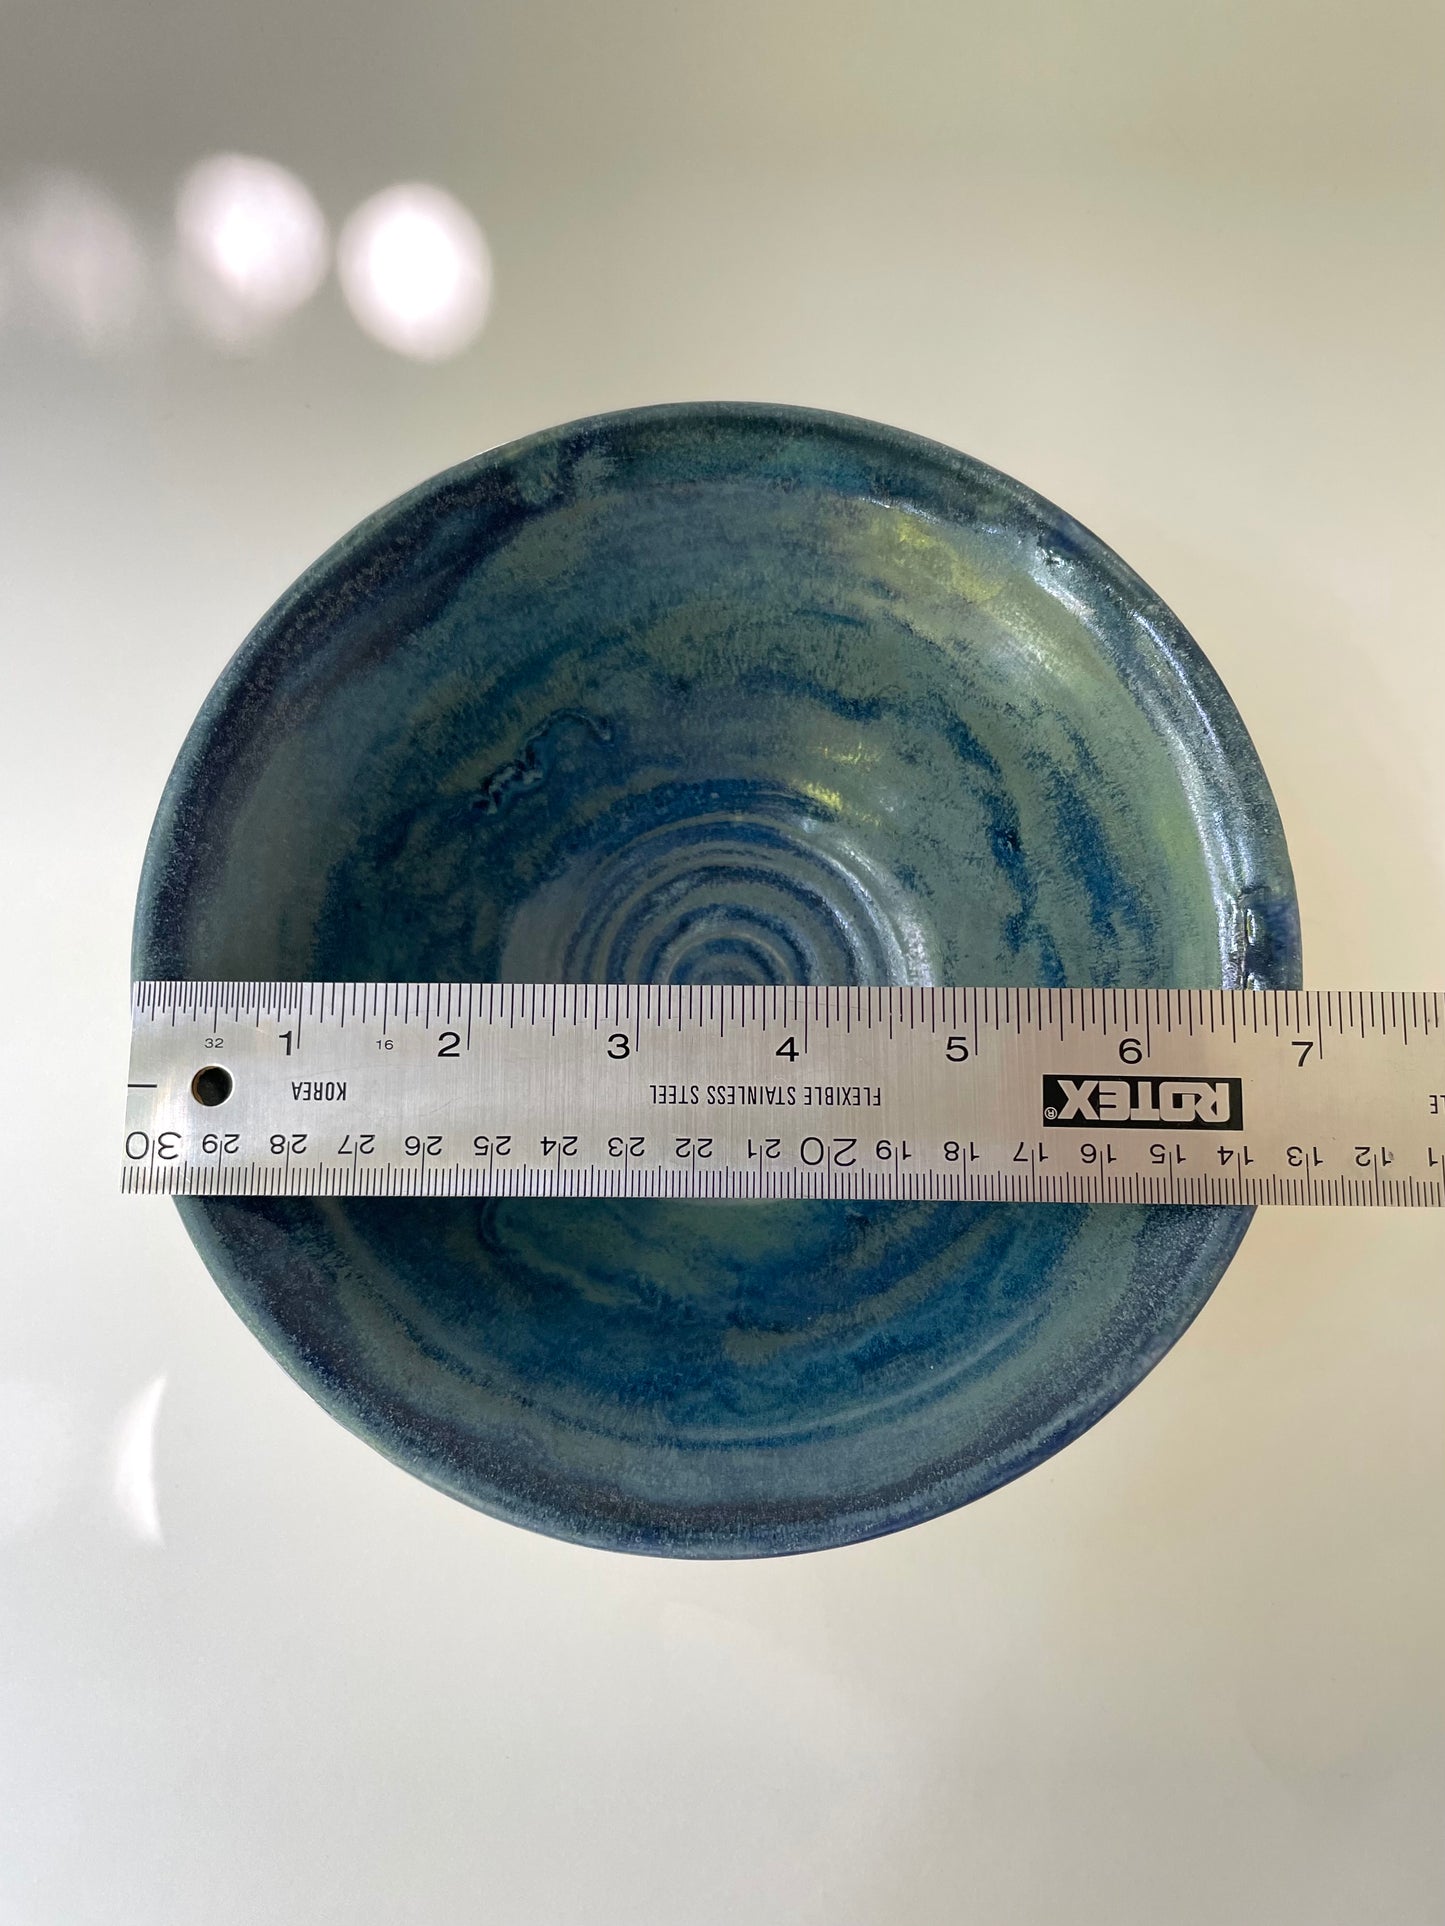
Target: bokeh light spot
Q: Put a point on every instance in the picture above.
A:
(416, 271)
(253, 245)
(81, 255)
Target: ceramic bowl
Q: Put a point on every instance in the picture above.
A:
(718, 693)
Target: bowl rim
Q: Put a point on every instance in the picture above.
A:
(176, 849)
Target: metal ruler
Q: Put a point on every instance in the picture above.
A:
(577, 1090)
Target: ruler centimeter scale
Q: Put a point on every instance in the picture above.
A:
(584, 1090)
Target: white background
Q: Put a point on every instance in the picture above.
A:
(1178, 269)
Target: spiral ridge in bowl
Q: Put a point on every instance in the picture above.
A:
(745, 885)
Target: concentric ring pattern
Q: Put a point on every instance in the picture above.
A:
(718, 694)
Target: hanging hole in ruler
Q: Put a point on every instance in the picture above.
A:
(212, 1085)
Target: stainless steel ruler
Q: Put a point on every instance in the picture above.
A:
(575, 1090)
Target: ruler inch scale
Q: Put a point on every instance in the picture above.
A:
(735, 1092)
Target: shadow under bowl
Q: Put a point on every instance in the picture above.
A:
(718, 694)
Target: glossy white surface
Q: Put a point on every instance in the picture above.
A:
(1179, 272)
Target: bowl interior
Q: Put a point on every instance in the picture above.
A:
(739, 696)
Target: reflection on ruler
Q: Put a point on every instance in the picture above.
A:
(584, 1090)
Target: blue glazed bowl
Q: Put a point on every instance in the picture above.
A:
(718, 693)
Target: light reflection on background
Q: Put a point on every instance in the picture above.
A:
(415, 271)
(52, 1449)
(135, 1464)
(251, 248)
(84, 264)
